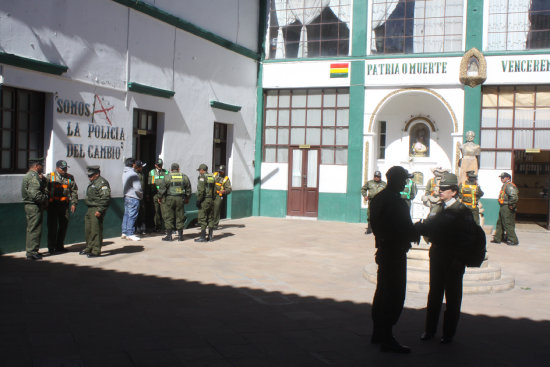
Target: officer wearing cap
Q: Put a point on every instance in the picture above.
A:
(63, 193)
(98, 196)
(35, 197)
(223, 188)
(470, 193)
(448, 230)
(174, 192)
(369, 191)
(393, 231)
(205, 202)
(506, 223)
(141, 226)
(409, 191)
(431, 197)
(156, 176)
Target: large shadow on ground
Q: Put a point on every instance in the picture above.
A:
(55, 314)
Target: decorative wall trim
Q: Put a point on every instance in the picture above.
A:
(366, 167)
(32, 64)
(225, 106)
(152, 91)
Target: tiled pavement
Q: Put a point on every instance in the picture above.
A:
(267, 292)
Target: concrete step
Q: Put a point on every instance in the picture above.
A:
(489, 272)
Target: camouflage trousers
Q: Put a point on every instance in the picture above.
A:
(34, 214)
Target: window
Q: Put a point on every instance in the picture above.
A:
(21, 128)
(513, 118)
(416, 26)
(518, 25)
(382, 141)
(144, 135)
(315, 117)
(308, 28)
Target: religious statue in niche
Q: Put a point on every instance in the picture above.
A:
(473, 67)
(420, 141)
(470, 156)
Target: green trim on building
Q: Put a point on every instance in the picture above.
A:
(152, 91)
(259, 136)
(517, 52)
(262, 28)
(273, 203)
(359, 28)
(474, 25)
(239, 204)
(369, 57)
(225, 106)
(332, 207)
(472, 111)
(186, 26)
(32, 64)
(355, 141)
(339, 75)
(491, 209)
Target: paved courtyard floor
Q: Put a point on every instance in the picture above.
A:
(266, 292)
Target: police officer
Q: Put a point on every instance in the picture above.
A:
(393, 232)
(174, 191)
(409, 192)
(205, 203)
(98, 196)
(369, 191)
(448, 230)
(156, 175)
(35, 197)
(63, 198)
(506, 223)
(223, 188)
(431, 197)
(470, 193)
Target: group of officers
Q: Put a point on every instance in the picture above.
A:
(57, 193)
(451, 223)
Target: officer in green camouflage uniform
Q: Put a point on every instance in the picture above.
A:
(156, 176)
(35, 196)
(409, 192)
(369, 191)
(174, 191)
(98, 196)
(63, 200)
(205, 203)
(506, 223)
(223, 188)
(470, 193)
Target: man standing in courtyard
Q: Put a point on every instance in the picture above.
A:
(35, 198)
(369, 191)
(156, 175)
(223, 188)
(98, 196)
(205, 203)
(174, 192)
(506, 223)
(470, 193)
(133, 193)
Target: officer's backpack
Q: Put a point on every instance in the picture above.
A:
(476, 249)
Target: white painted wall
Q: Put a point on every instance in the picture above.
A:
(333, 179)
(302, 74)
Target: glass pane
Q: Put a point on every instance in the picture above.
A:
(505, 118)
(297, 136)
(313, 117)
(22, 160)
(298, 117)
(489, 118)
(329, 117)
(343, 98)
(506, 98)
(22, 140)
(341, 156)
(6, 159)
(23, 123)
(488, 139)
(342, 117)
(22, 101)
(284, 117)
(490, 97)
(504, 139)
(543, 96)
(7, 99)
(542, 139)
(271, 98)
(298, 98)
(313, 136)
(282, 155)
(341, 136)
(328, 136)
(542, 117)
(142, 121)
(36, 122)
(504, 160)
(314, 98)
(33, 144)
(329, 99)
(150, 122)
(270, 154)
(523, 139)
(327, 156)
(487, 160)
(270, 117)
(312, 168)
(136, 115)
(7, 120)
(524, 118)
(284, 98)
(525, 96)
(270, 136)
(282, 134)
(296, 168)
(6, 139)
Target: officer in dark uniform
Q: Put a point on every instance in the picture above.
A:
(470, 193)
(393, 232)
(63, 200)
(409, 192)
(174, 192)
(369, 191)
(506, 223)
(223, 188)
(156, 176)
(205, 203)
(98, 196)
(448, 230)
(35, 197)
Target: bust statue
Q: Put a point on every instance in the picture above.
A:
(470, 156)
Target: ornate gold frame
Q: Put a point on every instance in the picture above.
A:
(473, 81)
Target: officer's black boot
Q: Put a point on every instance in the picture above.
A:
(180, 234)
(168, 235)
(202, 238)
(210, 234)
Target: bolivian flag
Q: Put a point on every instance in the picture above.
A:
(339, 70)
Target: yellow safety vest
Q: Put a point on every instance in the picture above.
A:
(470, 191)
(57, 189)
(219, 185)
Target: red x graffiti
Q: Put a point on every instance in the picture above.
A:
(103, 109)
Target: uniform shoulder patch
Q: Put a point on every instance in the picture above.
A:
(104, 187)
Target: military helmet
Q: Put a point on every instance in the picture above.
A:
(448, 179)
(471, 174)
(377, 174)
(159, 162)
(221, 168)
(203, 166)
(505, 174)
